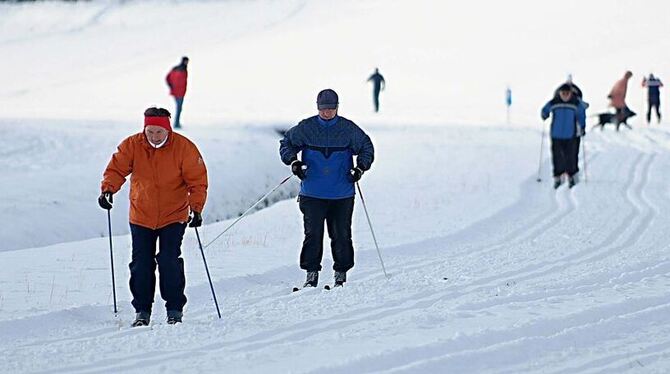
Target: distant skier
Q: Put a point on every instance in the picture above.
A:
(576, 92)
(653, 85)
(177, 79)
(168, 188)
(568, 123)
(379, 84)
(617, 98)
(327, 143)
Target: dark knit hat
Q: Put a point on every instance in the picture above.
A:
(565, 87)
(327, 99)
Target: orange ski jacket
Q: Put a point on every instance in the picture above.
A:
(165, 183)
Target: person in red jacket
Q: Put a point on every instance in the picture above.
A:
(168, 188)
(176, 80)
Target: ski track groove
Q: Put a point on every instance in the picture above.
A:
(465, 351)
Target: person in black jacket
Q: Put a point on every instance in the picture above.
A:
(653, 85)
(378, 85)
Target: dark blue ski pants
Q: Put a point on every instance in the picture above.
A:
(170, 266)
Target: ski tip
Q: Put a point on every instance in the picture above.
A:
(326, 287)
(296, 289)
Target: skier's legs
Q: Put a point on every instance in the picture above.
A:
(171, 266)
(649, 106)
(314, 213)
(558, 156)
(143, 267)
(572, 153)
(657, 107)
(339, 229)
(375, 97)
(180, 102)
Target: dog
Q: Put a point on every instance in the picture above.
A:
(612, 118)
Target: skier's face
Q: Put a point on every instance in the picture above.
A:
(327, 113)
(565, 95)
(155, 134)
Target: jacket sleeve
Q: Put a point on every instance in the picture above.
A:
(546, 110)
(194, 172)
(581, 115)
(168, 79)
(363, 148)
(118, 168)
(291, 145)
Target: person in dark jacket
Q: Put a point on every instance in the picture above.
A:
(379, 84)
(653, 85)
(568, 123)
(327, 143)
(177, 79)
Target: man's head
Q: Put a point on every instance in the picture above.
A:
(184, 61)
(628, 74)
(327, 103)
(156, 125)
(565, 92)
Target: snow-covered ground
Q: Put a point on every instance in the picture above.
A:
(490, 271)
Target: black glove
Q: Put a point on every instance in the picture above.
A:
(195, 219)
(298, 168)
(355, 174)
(105, 200)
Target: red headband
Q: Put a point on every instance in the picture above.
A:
(163, 122)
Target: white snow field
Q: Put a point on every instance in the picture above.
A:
(489, 270)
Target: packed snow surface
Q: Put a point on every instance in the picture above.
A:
(489, 270)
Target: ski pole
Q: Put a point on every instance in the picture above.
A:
(584, 156)
(211, 286)
(111, 256)
(539, 166)
(371, 229)
(248, 210)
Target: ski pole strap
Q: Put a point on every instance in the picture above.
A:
(248, 210)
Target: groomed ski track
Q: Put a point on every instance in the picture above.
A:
(566, 281)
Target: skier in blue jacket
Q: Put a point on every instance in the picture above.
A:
(327, 143)
(568, 124)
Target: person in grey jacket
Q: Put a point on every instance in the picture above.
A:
(327, 144)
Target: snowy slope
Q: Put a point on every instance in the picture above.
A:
(490, 271)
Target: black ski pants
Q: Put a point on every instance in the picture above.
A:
(170, 266)
(375, 98)
(655, 104)
(337, 214)
(564, 156)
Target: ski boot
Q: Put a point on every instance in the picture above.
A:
(340, 278)
(312, 279)
(557, 181)
(142, 319)
(572, 180)
(174, 317)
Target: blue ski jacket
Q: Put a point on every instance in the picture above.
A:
(327, 149)
(566, 116)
